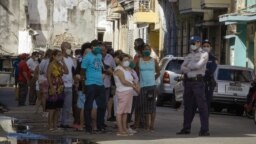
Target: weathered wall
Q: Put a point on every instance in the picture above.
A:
(62, 20)
(12, 19)
(102, 25)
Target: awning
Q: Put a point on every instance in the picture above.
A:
(238, 17)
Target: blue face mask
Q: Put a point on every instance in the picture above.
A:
(96, 50)
(132, 65)
(146, 52)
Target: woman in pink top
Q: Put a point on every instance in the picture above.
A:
(124, 91)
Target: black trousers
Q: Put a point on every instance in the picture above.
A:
(23, 91)
(194, 97)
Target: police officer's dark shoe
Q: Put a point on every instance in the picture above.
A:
(183, 132)
(204, 134)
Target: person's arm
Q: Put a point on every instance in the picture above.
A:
(64, 67)
(203, 60)
(184, 66)
(211, 67)
(121, 77)
(157, 68)
(36, 73)
(49, 70)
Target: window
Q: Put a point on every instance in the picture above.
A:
(235, 75)
(174, 66)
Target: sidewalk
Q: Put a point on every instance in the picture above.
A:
(38, 124)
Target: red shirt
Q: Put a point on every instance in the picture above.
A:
(23, 67)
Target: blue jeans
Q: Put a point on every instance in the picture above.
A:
(67, 106)
(94, 92)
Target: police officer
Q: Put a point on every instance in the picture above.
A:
(194, 67)
(211, 66)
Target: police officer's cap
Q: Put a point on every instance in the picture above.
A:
(206, 41)
(194, 39)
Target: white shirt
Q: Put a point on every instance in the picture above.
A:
(43, 66)
(128, 76)
(32, 64)
(68, 78)
(108, 60)
(195, 63)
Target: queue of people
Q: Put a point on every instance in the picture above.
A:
(97, 82)
(90, 86)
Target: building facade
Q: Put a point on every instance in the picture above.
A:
(241, 33)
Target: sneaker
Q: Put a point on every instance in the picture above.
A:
(131, 131)
(183, 132)
(204, 134)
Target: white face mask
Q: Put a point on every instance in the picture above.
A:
(126, 63)
(36, 59)
(68, 51)
(193, 47)
(206, 49)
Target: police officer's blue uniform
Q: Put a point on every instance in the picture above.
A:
(209, 77)
(194, 67)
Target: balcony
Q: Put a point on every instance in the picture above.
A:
(190, 6)
(215, 4)
(114, 10)
(127, 4)
(144, 11)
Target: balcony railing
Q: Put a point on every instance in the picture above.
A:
(215, 4)
(144, 11)
(142, 6)
(127, 4)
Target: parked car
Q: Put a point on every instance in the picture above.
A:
(170, 68)
(233, 84)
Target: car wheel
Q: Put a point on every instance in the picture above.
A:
(159, 100)
(217, 108)
(239, 111)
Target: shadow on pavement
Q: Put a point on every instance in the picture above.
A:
(169, 121)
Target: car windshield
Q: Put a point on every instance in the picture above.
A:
(174, 66)
(235, 75)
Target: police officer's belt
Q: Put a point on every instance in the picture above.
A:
(197, 78)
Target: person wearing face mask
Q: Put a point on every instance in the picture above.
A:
(79, 100)
(94, 87)
(32, 63)
(211, 66)
(68, 83)
(55, 99)
(124, 91)
(193, 68)
(109, 66)
(138, 46)
(148, 70)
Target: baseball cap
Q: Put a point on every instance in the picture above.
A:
(206, 41)
(194, 39)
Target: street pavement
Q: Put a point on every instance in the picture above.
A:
(224, 128)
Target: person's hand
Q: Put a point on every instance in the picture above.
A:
(78, 77)
(136, 88)
(52, 91)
